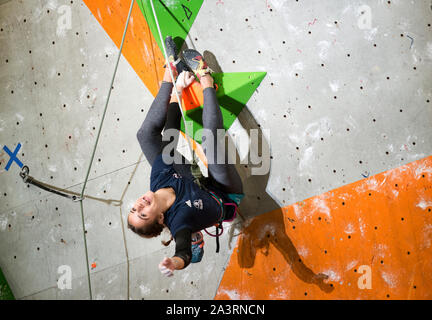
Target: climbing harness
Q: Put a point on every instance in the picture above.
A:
(199, 179)
(219, 224)
(24, 174)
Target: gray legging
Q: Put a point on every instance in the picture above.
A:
(165, 115)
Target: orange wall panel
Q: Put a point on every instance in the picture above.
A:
(383, 223)
(140, 49)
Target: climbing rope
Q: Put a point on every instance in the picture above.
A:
(173, 81)
(95, 146)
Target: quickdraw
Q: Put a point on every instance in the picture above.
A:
(24, 174)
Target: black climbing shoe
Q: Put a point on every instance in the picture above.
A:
(196, 62)
(173, 58)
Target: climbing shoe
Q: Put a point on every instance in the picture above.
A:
(173, 58)
(196, 62)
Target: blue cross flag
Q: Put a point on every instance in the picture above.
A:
(13, 156)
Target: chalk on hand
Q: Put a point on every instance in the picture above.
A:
(165, 271)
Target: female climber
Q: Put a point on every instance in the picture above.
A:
(177, 200)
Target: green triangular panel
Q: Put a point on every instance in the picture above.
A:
(5, 291)
(175, 18)
(235, 90)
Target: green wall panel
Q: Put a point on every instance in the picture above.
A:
(5, 291)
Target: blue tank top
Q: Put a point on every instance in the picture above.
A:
(193, 208)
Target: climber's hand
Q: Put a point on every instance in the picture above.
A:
(184, 80)
(167, 267)
(167, 75)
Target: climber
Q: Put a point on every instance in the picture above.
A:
(178, 199)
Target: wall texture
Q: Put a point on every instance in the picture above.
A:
(344, 110)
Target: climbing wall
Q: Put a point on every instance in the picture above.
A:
(339, 93)
(366, 240)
